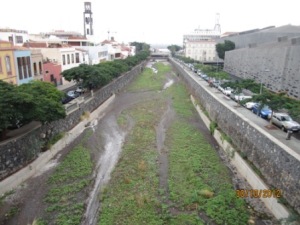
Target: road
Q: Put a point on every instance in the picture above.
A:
(281, 136)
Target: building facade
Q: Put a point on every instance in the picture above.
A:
(276, 65)
(37, 64)
(23, 62)
(7, 63)
(16, 37)
(200, 44)
(52, 73)
(203, 51)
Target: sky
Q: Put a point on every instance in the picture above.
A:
(152, 22)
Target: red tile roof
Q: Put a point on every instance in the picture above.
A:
(35, 45)
(77, 38)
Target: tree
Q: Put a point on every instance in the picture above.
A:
(46, 103)
(96, 76)
(37, 100)
(273, 100)
(174, 48)
(140, 46)
(221, 48)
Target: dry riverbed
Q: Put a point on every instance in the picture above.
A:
(150, 160)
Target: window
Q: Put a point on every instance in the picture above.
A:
(24, 63)
(68, 59)
(46, 71)
(34, 69)
(11, 39)
(28, 65)
(88, 31)
(1, 71)
(72, 58)
(8, 65)
(64, 59)
(19, 39)
(20, 65)
(40, 67)
(77, 58)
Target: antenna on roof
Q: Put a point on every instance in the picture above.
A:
(217, 23)
(108, 35)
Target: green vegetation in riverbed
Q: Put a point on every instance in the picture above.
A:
(150, 81)
(67, 187)
(198, 180)
(131, 195)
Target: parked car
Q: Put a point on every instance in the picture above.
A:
(80, 90)
(73, 94)
(241, 97)
(227, 91)
(216, 83)
(67, 99)
(220, 88)
(264, 111)
(285, 122)
(249, 105)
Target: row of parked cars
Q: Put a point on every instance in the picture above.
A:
(72, 94)
(282, 120)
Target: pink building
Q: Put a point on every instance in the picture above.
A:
(52, 73)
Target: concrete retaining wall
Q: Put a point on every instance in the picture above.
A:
(18, 152)
(278, 210)
(278, 164)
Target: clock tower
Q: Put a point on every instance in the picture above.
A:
(88, 19)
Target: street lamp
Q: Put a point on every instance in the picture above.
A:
(261, 83)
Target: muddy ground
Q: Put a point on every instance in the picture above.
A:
(105, 143)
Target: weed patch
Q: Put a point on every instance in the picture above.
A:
(131, 196)
(67, 187)
(150, 81)
(198, 180)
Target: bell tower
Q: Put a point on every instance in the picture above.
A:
(88, 19)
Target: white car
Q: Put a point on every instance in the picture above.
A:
(241, 97)
(227, 91)
(285, 122)
(249, 105)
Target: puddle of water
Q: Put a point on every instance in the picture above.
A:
(113, 139)
(168, 84)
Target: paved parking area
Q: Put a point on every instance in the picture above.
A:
(293, 143)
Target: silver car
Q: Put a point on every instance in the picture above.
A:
(285, 122)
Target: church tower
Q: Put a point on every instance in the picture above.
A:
(88, 19)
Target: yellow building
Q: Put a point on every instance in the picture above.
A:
(7, 63)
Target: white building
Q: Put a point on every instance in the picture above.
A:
(17, 37)
(67, 57)
(203, 51)
(200, 44)
(97, 54)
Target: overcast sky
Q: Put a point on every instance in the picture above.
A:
(153, 22)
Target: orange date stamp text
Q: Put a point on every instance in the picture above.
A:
(258, 193)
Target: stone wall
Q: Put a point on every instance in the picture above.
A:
(18, 152)
(276, 65)
(279, 168)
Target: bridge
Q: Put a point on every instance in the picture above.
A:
(160, 55)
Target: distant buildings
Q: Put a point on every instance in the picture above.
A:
(24, 57)
(201, 43)
(16, 37)
(270, 56)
